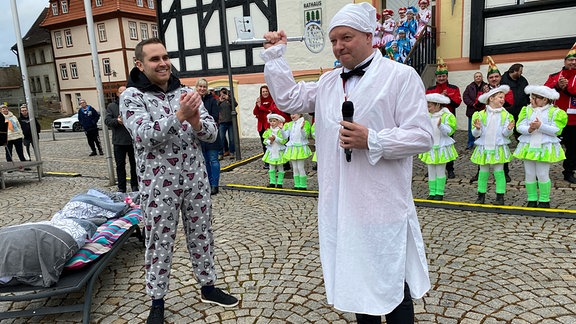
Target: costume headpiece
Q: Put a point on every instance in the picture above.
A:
(442, 67)
(423, 1)
(543, 91)
(361, 16)
(401, 30)
(437, 98)
(402, 10)
(484, 97)
(378, 16)
(492, 68)
(275, 116)
(388, 12)
(411, 10)
(572, 52)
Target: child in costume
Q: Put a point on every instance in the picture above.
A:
(443, 150)
(274, 156)
(297, 150)
(388, 27)
(493, 127)
(539, 124)
(401, 16)
(411, 25)
(423, 16)
(377, 36)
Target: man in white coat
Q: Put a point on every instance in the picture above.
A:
(371, 247)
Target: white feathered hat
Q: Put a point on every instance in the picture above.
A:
(276, 116)
(437, 98)
(484, 97)
(543, 91)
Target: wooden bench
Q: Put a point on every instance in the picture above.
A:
(6, 167)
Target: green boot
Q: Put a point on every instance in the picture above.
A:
(272, 174)
(500, 179)
(532, 192)
(432, 187)
(544, 191)
(483, 181)
(280, 181)
(296, 182)
(304, 182)
(440, 184)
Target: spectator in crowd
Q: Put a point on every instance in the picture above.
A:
(210, 149)
(15, 134)
(564, 82)
(24, 120)
(167, 122)
(123, 144)
(517, 83)
(226, 126)
(390, 126)
(451, 91)
(88, 118)
(470, 97)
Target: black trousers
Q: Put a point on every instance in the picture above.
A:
(569, 141)
(94, 140)
(402, 314)
(120, 152)
(17, 144)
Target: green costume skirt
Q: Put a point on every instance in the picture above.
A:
(297, 152)
(439, 155)
(549, 152)
(500, 155)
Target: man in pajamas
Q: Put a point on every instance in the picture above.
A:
(167, 122)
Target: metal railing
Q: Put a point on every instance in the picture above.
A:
(424, 51)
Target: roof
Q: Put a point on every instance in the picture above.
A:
(36, 35)
(110, 8)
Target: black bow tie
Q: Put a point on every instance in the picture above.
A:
(359, 71)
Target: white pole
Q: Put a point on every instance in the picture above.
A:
(99, 89)
(28, 94)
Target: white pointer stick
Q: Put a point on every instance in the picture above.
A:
(313, 38)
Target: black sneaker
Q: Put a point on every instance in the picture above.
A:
(156, 315)
(92, 154)
(218, 297)
(451, 174)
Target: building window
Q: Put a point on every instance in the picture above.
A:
(144, 30)
(133, 31)
(73, 70)
(106, 66)
(38, 84)
(32, 85)
(54, 9)
(64, 5)
(63, 72)
(151, 4)
(58, 39)
(98, 3)
(154, 30)
(47, 83)
(42, 57)
(140, 3)
(68, 37)
(32, 58)
(102, 32)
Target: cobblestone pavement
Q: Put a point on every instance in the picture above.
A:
(484, 267)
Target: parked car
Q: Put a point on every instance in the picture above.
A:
(67, 124)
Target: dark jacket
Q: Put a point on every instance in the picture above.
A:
(211, 105)
(521, 99)
(26, 129)
(89, 118)
(3, 131)
(470, 98)
(120, 135)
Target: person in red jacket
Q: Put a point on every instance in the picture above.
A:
(265, 105)
(564, 82)
(451, 91)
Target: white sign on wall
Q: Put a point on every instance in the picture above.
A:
(312, 11)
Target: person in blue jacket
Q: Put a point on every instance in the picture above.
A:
(88, 118)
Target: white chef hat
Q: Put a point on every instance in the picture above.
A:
(361, 16)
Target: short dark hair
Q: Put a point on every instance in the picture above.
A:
(515, 67)
(139, 52)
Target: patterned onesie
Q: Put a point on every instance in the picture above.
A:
(172, 178)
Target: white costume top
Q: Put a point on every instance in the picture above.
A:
(424, 16)
(388, 27)
(370, 239)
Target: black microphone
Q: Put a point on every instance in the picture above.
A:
(348, 115)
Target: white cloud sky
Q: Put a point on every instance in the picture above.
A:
(28, 11)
